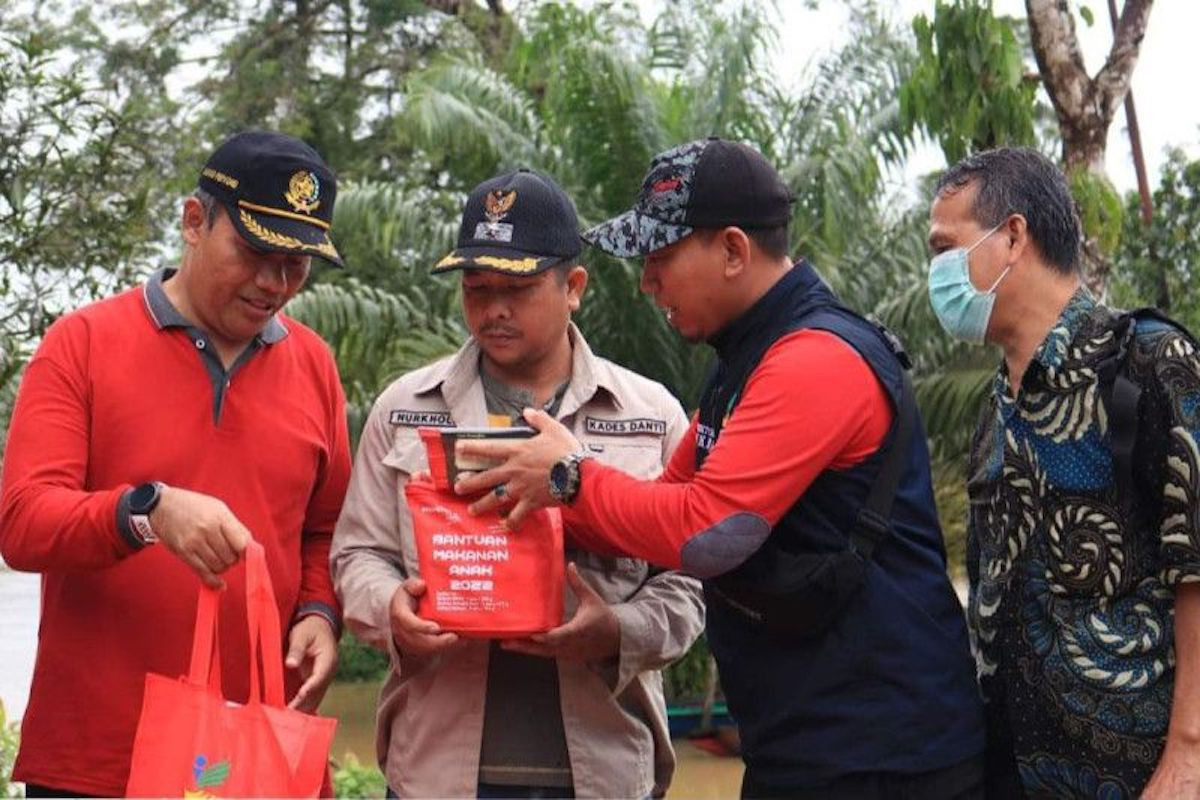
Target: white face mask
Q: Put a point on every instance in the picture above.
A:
(962, 309)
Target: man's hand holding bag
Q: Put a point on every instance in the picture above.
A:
(192, 742)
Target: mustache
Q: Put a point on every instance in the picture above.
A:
(495, 328)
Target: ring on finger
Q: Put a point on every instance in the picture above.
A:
(501, 491)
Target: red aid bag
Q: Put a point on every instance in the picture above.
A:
(191, 742)
(482, 579)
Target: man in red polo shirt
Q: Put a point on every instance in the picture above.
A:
(154, 433)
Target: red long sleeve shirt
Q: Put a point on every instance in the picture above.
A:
(115, 397)
(811, 404)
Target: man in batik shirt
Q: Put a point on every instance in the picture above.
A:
(1084, 567)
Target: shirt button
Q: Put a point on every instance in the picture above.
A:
(199, 344)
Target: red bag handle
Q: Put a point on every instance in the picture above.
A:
(205, 667)
(266, 638)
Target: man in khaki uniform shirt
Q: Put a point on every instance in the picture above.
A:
(578, 711)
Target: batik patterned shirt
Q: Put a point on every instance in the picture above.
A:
(1072, 590)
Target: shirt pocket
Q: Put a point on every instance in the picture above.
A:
(407, 455)
(643, 459)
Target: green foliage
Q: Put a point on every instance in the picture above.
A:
(594, 99)
(621, 93)
(436, 103)
(968, 90)
(685, 681)
(330, 73)
(358, 661)
(492, 121)
(78, 206)
(377, 335)
(84, 137)
(1100, 209)
(1158, 265)
(839, 135)
(10, 736)
(352, 779)
(391, 233)
(950, 493)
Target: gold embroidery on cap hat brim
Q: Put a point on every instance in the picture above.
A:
(519, 265)
(219, 177)
(278, 212)
(276, 239)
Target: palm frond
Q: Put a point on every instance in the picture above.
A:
(375, 335)
(460, 110)
(950, 402)
(591, 92)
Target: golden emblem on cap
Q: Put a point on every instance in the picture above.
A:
(303, 192)
(498, 203)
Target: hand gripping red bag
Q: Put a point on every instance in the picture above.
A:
(482, 579)
(191, 742)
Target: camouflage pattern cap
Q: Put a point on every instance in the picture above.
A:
(708, 183)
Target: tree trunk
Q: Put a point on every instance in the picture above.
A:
(1085, 105)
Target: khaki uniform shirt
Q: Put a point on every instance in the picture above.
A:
(430, 719)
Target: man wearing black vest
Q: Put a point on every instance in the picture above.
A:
(801, 496)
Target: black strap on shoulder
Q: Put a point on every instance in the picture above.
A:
(1123, 425)
(872, 526)
(1121, 395)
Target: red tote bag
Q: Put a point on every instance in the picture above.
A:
(192, 742)
(482, 579)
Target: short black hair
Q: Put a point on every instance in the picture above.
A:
(772, 241)
(211, 206)
(1018, 180)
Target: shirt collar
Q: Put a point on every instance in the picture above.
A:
(749, 325)
(1052, 352)
(164, 314)
(1053, 349)
(455, 376)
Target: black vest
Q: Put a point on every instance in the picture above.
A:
(890, 686)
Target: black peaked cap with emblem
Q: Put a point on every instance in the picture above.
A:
(278, 191)
(521, 223)
(708, 183)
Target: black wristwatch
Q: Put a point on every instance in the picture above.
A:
(142, 500)
(564, 477)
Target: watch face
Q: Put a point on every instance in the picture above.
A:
(558, 479)
(143, 498)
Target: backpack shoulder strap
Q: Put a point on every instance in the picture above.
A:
(1121, 395)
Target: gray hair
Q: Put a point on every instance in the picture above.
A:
(1017, 180)
(210, 204)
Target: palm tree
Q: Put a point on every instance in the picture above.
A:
(588, 96)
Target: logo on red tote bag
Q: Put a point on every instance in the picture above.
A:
(207, 777)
